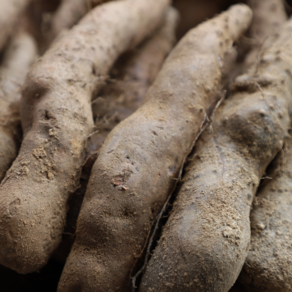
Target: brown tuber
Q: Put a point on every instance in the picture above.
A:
(57, 122)
(141, 159)
(206, 239)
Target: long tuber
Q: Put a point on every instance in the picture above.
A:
(19, 56)
(206, 239)
(141, 159)
(130, 78)
(9, 15)
(69, 13)
(57, 122)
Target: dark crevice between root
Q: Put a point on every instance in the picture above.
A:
(45, 280)
(161, 219)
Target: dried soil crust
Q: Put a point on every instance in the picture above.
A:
(141, 159)
(57, 121)
(206, 239)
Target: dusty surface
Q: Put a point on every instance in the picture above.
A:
(19, 56)
(57, 121)
(206, 239)
(68, 14)
(133, 176)
(129, 81)
(9, 15)
(268, 266)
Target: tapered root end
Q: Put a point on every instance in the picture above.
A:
(29, 232)
(83, 272)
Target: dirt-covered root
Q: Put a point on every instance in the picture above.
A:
(141, 159)
(130, 78)
(268, 266)
(57, 121)
(206, 239)
(69, 13)
(268, 17)
(17, 60)
(9, 16)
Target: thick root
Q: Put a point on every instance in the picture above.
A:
(19, 56)
(57, 122)
(206, 239)
(142, 158)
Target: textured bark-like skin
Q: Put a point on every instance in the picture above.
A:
(268, 17)
(142, 157)
(268, 266)
(131, 76)
(19, 56)
(57, 121)
(69, 13)
(9, 16)
(206, 239)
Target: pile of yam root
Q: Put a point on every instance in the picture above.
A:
(145, 145)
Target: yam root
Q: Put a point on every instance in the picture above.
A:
(131, 76)
(268, 17)
(269, 262)
(268, 266)
(69, 13)
(57, 121)
(206, 239)
(18, 58)
(9, 15)
(141, 159)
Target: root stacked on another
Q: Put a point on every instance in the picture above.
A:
(131, 76)
(142, 158)
(268, 266)
(57, 121)
(268, 17)
(206, 239)
(69, 13)
(9, 16)
(19, 56)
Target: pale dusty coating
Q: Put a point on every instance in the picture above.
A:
(10, 11)
(57, 121)
(69, 13)
(268, 17)
(130, 78)
(19, 56)
(268, 266)
(141, 159)
(206, 239)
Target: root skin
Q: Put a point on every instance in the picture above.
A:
(131, 77)
(206, 239)
(9, 15)
(268, 266)
(57, 121)
(132, 176)
(268, 17)
(69, 13)
(19, 56)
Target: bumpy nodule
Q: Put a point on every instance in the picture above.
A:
(206, 239)
(57, 121)
(142, 157)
